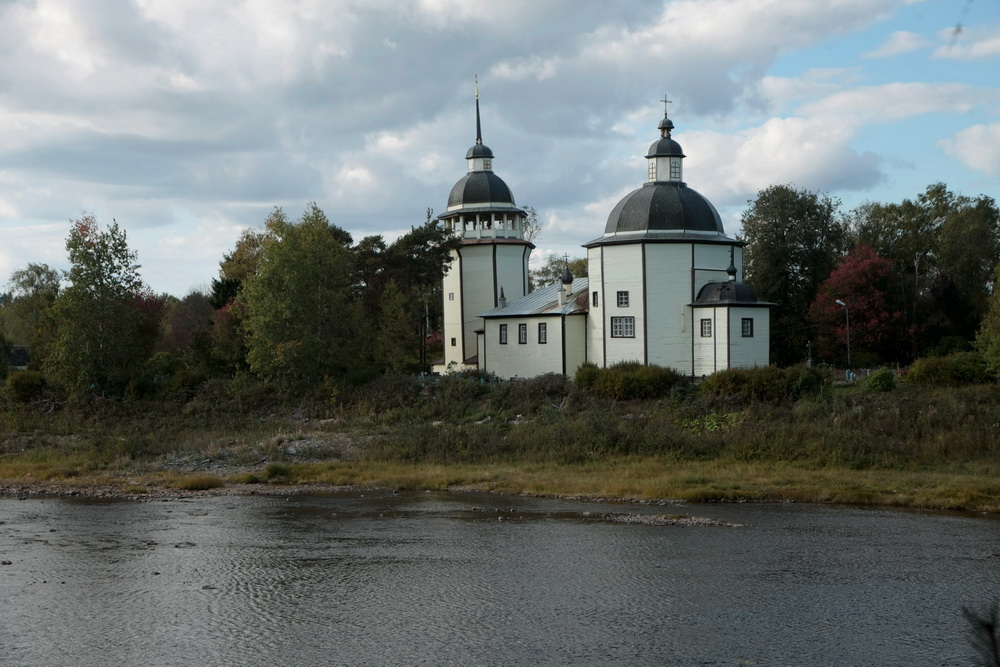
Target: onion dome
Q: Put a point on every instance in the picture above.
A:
(567, 276)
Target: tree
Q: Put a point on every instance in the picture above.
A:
(98, 344)
(532, 225)
(33, 290)
(988, 337)
(794, 239)
(298, 313)
(393, 337)
(186, 324)
(414, 263)
(552, 270)
(863, 281)
(943, 248)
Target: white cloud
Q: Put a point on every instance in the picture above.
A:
(894, 101)
(978, 147)
(897, 44)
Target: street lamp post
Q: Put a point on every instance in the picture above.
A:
(847, 314)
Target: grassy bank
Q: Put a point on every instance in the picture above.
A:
(908, 447)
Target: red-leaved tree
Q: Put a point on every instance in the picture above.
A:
(864, 282)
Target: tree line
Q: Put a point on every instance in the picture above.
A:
(295, 302)
(300, 302)
(910, 279)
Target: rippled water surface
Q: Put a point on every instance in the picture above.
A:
(433, 578)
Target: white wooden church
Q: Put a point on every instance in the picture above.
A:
(664, 283)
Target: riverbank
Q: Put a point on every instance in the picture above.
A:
(910, 447)
(639, 480)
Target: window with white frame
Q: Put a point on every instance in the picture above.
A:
(652, 170)
(623, 299)
(706, 328)
(623, 327)
(543, 333)
(675, 169)
(747, 327)
(522, 333)
(503, 334)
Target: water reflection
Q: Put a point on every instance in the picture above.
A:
(427, 578)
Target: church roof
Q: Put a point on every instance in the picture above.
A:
(728, 292)
(664, 206)
(545, 301)
(480, 187)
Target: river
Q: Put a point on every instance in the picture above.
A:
(418, 578)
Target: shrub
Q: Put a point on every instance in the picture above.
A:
(387, 392)
(881, 380)
(961, 368)
(527, 396)
(629, 380)
(25, 386)
(198, 483)
(765, 383)
(805, 380)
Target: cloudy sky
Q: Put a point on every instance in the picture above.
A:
(189, 120)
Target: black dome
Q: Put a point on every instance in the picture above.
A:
(665, 147)
(663, 206)
(478, 150)
(728, 291)
(480, 187)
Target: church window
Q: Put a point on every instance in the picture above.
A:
(595, 300)
(454, 342)
(652, 170)
(675, 169)
(503, 334)
(748, 327)
(487, 164)
(543, 333)
(522, 333)
(706, 328)
(623, 299)
(623, 327)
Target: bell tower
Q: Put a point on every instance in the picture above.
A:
(492, 257)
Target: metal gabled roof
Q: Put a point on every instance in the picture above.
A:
(545, 301)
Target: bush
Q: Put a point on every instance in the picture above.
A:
(387, 392)
(629, 380)
(766, 384)
(25, 386)
(961, 368)
(527, 396)
(881, 380)
(806, 380)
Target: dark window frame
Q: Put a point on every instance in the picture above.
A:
(623, 326)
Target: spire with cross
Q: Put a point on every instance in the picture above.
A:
(666, 125)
